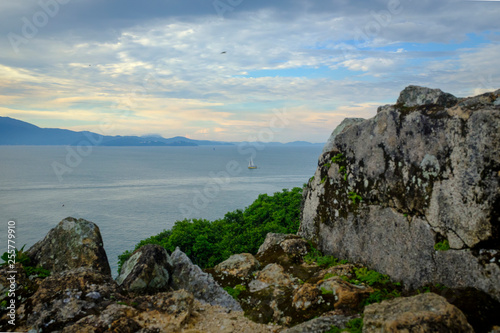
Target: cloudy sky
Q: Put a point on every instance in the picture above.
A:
(235, 69)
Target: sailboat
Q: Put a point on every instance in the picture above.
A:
(251, 165)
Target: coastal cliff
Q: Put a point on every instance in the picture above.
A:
(414, 192)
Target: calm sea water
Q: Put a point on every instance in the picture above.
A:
(132, 193)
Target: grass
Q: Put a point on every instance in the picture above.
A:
(236, 291)
(352, 326)
(442, 246)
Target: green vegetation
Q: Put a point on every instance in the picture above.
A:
(368, 276)
(208, 243)
(236, 291)
(381, 294)
(323, 180)
(315, 256)
(442, 246)
(22, 258)
(352, 326)
(355, 198)
(326, 291)
(337, 159)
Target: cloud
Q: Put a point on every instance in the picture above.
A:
(159, 66)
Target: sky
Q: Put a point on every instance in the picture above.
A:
(235, 70)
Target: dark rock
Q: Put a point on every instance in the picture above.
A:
(422, 313)
(147, 270)
(190, 277)
(73, 243)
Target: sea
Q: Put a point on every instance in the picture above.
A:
(132, 193)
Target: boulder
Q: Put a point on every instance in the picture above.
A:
(271, 275)
(238, 265)
(163, 312)
(73, 243)
(422, 313)
(147, 270)
(273, 239)
(186, 275)
(414, 192)
(419, 96)
(66, 297)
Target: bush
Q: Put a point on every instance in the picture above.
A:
(208, 243)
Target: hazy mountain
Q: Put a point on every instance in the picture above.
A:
(17, 132)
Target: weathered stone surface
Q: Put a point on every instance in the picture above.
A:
(422, 313)
(417, 96)
(346, 123)
(238, 265)
(319, 325)
(347, 295)
(66, 297)
(73, 243)
(411, 177)
(274, 239)
(147, 270)
(271, 275)
(190, 277)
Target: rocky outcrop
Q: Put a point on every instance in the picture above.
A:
(346, 123)
(73, 243)
(191, 278)
(414, 192)
(422, 313)
(148, 270)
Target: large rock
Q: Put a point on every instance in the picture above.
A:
(319, 325)
(422, 313)
(238, 265)
(73, 243)
(422, 173)
(190, 277)
(147, 270)
(64, 298)
(418, 96)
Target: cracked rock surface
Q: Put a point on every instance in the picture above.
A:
(422, 172)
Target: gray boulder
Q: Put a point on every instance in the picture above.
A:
(422, 313)
(72, 244)
(415, 195)
(419, 96)
(320, 325)
(147, 270)
(190, 277)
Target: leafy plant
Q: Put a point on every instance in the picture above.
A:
(38, 271)
(315, 256)
(323, 180)
(442, 246)
(326, 291)
(338, 158)
(355, 198)
(20, 257)
(352, 326)
(236, 291)
(381, 294)
(328, 165)
(328, 275)
(368, 276)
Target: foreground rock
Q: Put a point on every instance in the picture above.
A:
(422, 313)
(148, 270)
(74, 243)
(191, 278)
(414, 192)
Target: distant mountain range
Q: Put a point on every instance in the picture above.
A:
(17, 132)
